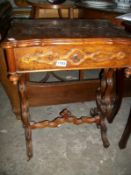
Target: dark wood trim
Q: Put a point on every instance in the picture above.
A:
(67, 92)
(64, 92)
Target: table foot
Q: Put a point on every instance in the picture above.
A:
(104, 138)
(28, 138)
(102, 126)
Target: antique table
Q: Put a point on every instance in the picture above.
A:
(37, 5)
(55, 45)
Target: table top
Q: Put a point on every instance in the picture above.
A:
(26, 29)
(64, 44)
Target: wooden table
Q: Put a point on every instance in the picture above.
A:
(73, 45)
(37, 5)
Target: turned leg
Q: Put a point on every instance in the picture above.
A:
(126, 133)
(25, 115)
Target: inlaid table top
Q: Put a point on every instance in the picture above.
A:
(52, 28)
(41, 45)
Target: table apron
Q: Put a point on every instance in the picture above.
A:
(71, 57)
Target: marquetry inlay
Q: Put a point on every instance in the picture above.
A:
(72, 56)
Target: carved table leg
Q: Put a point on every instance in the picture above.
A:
(25, 116)
(118, 93)
(126, 133)
(106, 101)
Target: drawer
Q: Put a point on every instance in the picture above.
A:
(71, 57)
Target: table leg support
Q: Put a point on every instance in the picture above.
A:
(25, 116)
(106, 101)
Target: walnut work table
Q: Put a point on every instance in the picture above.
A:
(55, 45)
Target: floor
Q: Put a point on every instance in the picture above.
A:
(66, 150)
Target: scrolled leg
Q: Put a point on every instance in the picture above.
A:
(105, 101)
(25, 116)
